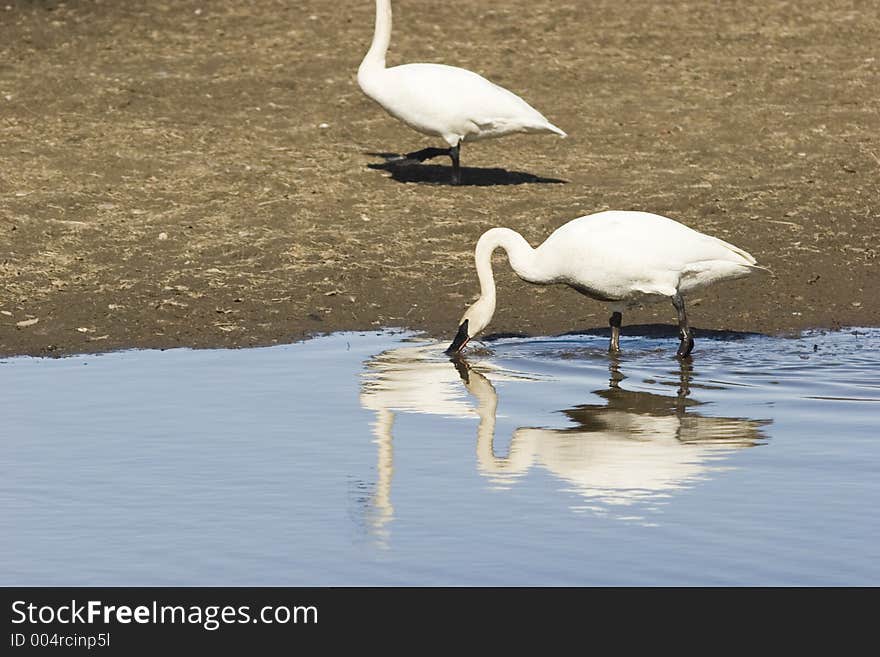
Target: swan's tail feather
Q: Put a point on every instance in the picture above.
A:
(741, 253)
(552, 128)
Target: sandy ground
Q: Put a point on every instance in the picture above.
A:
(206, 174)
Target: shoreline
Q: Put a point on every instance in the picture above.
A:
(664, 331)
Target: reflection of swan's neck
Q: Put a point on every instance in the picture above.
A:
(518, 460)
(382, 509)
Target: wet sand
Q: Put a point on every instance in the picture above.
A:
(208, 174)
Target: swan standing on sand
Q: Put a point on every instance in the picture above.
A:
(621, 258)
(443, 101)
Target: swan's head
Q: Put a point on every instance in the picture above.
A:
(474, 320)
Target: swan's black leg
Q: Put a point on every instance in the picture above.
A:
(432, 152)
(684, 331)
(456, 169)
(426, 154)
(614, 322)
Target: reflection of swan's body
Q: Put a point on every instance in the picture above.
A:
(443, 101)
(636, 446)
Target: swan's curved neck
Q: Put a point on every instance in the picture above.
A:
(375, 57)
(523, 259)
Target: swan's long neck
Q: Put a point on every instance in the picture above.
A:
(375, 58)
(523, 259)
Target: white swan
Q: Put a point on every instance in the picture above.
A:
(443, 101)
(622, 258)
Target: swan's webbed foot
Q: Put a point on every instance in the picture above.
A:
(429, 154)
(615, 322)
(422, 155)
(686, 346)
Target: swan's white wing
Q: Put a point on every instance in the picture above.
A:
(454, 103)
(618, 254)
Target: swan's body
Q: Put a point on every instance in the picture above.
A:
(443, 101)
(622, 258)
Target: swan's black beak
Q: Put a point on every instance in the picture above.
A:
(461, 365)
(461, 339)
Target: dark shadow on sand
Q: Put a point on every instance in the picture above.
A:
(407, 171)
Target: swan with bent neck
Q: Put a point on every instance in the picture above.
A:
(622, 258)
(443, 101)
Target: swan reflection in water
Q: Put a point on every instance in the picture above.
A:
(633, 448)
(412, 379)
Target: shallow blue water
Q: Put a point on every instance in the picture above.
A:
(372, 459)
